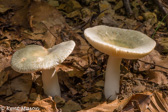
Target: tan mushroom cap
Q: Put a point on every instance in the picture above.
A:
(117, 42)
(34, 57)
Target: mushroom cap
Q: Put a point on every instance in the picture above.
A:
(34, 57)
(117, 42)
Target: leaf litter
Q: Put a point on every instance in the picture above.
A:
(81, 75)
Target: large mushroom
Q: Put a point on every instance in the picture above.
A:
(34, 58)
(117, 43)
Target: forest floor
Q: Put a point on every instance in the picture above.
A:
(143, 82)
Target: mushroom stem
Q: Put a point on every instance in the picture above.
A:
(112, 78)
(50, 82)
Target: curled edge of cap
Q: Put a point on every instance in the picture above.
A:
(25, 62)
(143, 44)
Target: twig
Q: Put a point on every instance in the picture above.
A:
(127, 7)
(153, 64)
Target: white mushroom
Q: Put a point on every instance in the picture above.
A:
(117, 43)
(33, 58)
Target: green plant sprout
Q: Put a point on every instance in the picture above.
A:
(159, 25)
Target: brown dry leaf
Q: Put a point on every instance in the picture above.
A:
(4, 62)
(139, 88)
(91, 105)
(17, 89)
(64, 80)
(144, 102)
(159, 103)
(3, 8)
(163, 42)
(45, 105)
(3, 77)
(44, 12)
(139, 102)
(59, 101)
(147, 102)
(5, 90)
(155, 59)
(46, 23)
(5, 51)
(91, 97)
(108, 107)
(17, 98)
(13, 4)
(150, 17)
(17, 19)
(157, 77)
(77, 62)
(7, 73)
(22, 83)
(71, 106)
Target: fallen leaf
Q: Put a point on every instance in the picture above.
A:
(72, 5)
(154, 58)
(34, 97)
(13, 4)
(22, 83)
(3, 8)
(6, 90)
(139, 88)
(4, 62)
(59, 101)
(99, 83)
(141, 100)
(91, 97)
(71, 106)
(163, 42)
(3, 77)
(17, 98)
(159, 103)
(45, 105)
(108, 107)
(157, 77)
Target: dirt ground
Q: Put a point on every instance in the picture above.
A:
(143, 82)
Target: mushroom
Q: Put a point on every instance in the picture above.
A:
(117, 43)
(34, 58)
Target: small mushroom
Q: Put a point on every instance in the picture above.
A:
(34, 58)
(117, 43)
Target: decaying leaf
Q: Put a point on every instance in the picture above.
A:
(91, 97)
(45, 105)
(22, 83)
(143, 102)
(157, 77)
(18, 87)
(154, 58)
(3, 77)
(71, 106)
(163, 42)
(108, 107)
(158, 103)
(138, 102)
(4, 62)
(17, 98)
